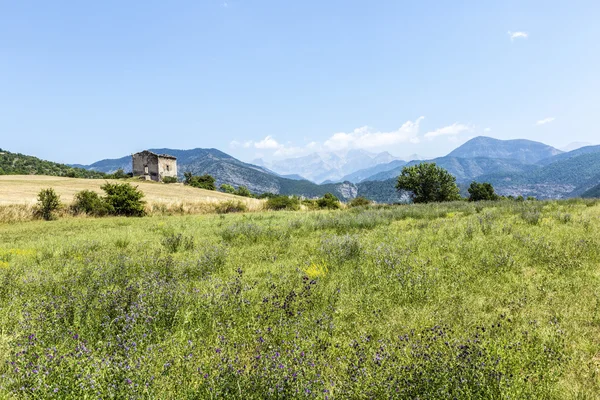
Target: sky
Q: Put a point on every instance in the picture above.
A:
(84, 81)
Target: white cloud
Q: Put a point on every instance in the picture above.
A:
(360, 138)
(518, 35)
(451, 130)
(267, 143)
(545, 121)
(487, 130)
(365, 137)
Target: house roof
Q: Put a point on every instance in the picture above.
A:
(158, 155)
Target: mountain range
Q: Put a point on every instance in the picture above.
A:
(514, 167)
(323, 167)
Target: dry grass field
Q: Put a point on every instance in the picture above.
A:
(18, 194)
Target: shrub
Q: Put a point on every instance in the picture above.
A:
(328, 201)
(283, 203)
(119, 174)
(124, 199)
(359, 202)
(481, 191)
(90, 203)
(230, 206)
(169, 179)
(310, 204)
(227, 188)
(48, 204)
(243, 191)
(267, 195)
(201, 182)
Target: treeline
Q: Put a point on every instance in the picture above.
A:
(429, 183)
(20, 164)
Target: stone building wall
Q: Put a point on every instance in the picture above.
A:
(152, 166)
(167, 166)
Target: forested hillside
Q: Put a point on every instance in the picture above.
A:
(20, 164)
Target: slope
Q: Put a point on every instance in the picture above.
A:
(525, 151)
(229, 170)
(20, 164)
(464, 169)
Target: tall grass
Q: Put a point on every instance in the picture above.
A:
(431, 301)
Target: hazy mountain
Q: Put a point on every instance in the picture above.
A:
(464, 169)
(324, 166)
(525, 151)
(575, 145)
(365, 174)
(593, 192)
(564, 178)
(570, 154)
(227, 169)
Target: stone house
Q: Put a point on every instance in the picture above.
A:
(154, 167)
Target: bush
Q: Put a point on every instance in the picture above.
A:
(243, 191)
(201, 182)
(310, 204)
(227, 188)
(359, 202)
(481, 191)
(328, 201)
(267, 195)
(119, 174)
(48, 204)
(169, 179)
(90, 203)
(283, 203)
(124, 199)
(230, 206)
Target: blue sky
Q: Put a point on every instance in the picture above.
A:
(82, 81)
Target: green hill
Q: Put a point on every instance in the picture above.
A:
(229, 170)
(20, 164)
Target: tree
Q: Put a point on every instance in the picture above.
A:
(202, 182)
(328, 201)
(481, 191)
(124, 199)
(428, 183)
(283, 203)
(243, 191)
(359, 202)
(48, 203)
(90, 203)
(227, 188)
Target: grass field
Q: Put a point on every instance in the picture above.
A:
(494, 300)
(18, 195)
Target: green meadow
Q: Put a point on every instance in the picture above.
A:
(457, 300)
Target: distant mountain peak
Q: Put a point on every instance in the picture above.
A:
(525, 151)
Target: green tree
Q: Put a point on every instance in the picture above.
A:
(227, 188)
(243, 191)
(481, 191)
(291, 203)
(90, 203)
(48, 203)
(124, 199)
(328, 201)
(359, 202)
(202, 182)
(428, 183)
